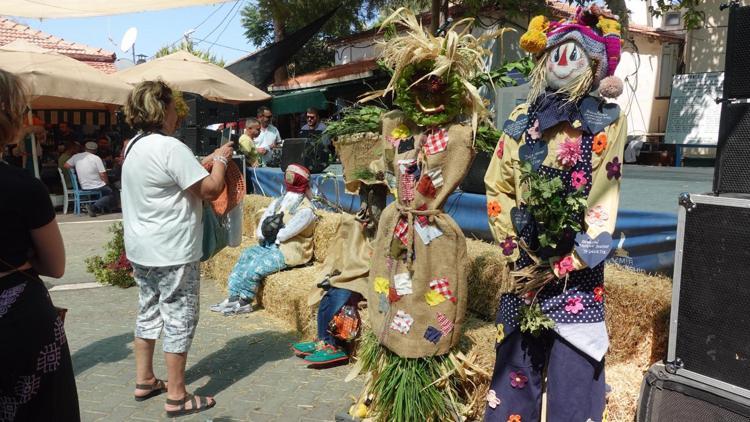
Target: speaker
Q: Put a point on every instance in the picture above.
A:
(474, 180)
(306, 151)
(731, 173)
(669, 397)
(200, 141)
(737, 68)
(709, 333)
(203, 112)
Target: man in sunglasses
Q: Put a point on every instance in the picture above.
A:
(269, 135)
(313, 121)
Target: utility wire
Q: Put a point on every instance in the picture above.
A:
(223, 20)
(218, 37)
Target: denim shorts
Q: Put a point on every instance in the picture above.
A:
(169, 299)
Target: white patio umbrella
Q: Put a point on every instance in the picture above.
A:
(189, 73)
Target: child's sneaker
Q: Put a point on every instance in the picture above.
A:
(326, 356)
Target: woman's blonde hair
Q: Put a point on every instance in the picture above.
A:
(12, 106)
(146, 107)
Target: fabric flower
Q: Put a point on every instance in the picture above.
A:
(599, 293)
(400, 132)
(569, 152)
(492, 400)
(500, 333)
(600, 143)
(574, 305)
(508, 246)
(614, 169)
(500, 148)
(518, 379)
(493, 208)
(534, 132)
(528, 297)
(578, 179)
(514, 418)
(564, 266)
(597, 216)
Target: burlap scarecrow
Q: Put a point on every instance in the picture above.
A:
(552, 199)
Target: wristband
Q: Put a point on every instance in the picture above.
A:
(221, 159)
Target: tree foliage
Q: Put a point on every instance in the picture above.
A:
(189, 47)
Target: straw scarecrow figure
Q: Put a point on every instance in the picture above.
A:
(552, 197)
(417, 289)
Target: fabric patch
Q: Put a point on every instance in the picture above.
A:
(446, 325)
(515, 128)
(400, 132)
(442, 286)
(405, 165)
(381, 284)
(435, 141)
(402, 322)
(434, 298)
(425, 187)
(401, 230)
(393, 296)
(432, 334)
(406, 182)
(402, 283)
(383, 305)
(406, 145)
(436, 176)
(422, 220)
(427, 233)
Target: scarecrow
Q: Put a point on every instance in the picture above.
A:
(417, 290)
(552, 198)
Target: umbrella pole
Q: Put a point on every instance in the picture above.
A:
(35, 159)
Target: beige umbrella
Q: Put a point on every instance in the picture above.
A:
(56, 81)
(189, 73)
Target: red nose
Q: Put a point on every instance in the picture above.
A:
(563, 58)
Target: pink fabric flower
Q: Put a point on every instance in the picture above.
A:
(518, 379)
(564, 266)
(500, 148)
(578, 179)
(492, 399)
(528, 297)
(534, 132)
(569, 152)
(574, 305)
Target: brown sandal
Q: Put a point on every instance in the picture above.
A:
(155, 389)
(197, 405)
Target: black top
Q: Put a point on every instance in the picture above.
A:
(24, 205)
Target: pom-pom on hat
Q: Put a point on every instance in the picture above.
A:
(297, 178)
(596, 29)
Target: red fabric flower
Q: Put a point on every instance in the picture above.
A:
(500, 150)
(599, 293)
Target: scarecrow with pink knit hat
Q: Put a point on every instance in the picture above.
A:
(552, 198)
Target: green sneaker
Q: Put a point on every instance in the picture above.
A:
(326, 356)
(305, 348)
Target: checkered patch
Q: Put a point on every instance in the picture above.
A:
(437, 177)
(422, 220)
(445, 324)
(442, 286)
(435, 141)
(401, 231)
(407, 187)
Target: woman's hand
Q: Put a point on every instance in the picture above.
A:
(225, 150)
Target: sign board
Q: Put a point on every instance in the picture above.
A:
(507, 99)
(693, 112)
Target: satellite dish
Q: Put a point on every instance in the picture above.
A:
(128, 39)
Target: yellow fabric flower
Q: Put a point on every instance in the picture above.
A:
(500, 333)
(400, 132)
(434, 298)
(534, 41)
(382, 285)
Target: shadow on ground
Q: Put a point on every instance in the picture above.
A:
(108, 350)
(238, 358)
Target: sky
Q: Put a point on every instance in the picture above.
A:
(218, 24)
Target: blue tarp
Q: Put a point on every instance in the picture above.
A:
(645, 240)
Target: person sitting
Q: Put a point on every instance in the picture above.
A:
(71, 148)
(285, 240)
(93, 176)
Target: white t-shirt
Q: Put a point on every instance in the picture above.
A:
(88, 166)
(267, 138)
(163, 221)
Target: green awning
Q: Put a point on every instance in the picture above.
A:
(299, 101)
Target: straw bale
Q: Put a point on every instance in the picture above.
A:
(485, 264)
(284, 295)
(253, 204)
(325, 230)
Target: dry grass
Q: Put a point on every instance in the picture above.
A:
(637, 310)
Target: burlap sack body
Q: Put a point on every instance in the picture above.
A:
(357, 151)
(349, 256)
(443, 258)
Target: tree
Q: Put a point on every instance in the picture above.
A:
(188, 46)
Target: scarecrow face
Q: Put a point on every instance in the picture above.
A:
(565, 63)
(428, 100)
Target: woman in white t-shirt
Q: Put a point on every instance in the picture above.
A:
(163, 186)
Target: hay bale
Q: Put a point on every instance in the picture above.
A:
(284, 295)
(325, 229)
(253, 204)
(485, 264)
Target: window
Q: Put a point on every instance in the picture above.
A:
(670, 54)
(672, 19)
